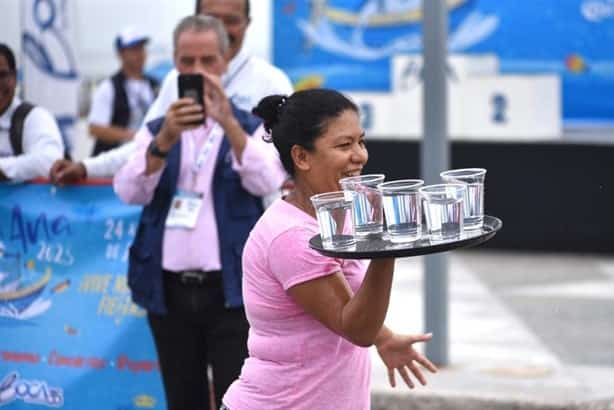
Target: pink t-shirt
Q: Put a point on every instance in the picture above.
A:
(294, 362)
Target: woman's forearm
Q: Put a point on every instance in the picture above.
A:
(363, 316)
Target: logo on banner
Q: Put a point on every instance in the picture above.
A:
(49, 49)
(36, 392)
(50, 61)
(21, 288)
(328, 27)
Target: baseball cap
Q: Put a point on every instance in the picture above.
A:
(130, 36)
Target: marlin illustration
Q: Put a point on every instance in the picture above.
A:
(376, 13)
(320, 30)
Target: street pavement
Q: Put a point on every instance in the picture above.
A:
(526, 331)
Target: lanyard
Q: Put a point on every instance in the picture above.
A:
(201, 156)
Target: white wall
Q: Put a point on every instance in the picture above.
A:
(10, 24)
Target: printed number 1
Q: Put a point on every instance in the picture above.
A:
(366, 110)
(499, 104)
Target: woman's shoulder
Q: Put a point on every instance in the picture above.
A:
(282, 217)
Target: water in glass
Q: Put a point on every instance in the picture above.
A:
(368, 215)
(474, 206)
(403, 216)
(335, 220)
(473, 179)
(444, 218)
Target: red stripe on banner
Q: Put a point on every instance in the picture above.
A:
(85, 182)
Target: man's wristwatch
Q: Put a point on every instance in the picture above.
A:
(155, 151)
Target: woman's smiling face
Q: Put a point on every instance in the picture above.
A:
(338, 153)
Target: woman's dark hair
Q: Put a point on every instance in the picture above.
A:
(9, 56)
(197, 11)
(300, 119)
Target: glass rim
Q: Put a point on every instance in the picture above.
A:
(328, 196)
(403, 184)
(440, 188)
(362, 178)
(471, 172)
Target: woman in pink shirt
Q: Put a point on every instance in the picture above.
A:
(313, 317)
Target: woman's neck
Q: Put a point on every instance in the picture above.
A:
(300, 198)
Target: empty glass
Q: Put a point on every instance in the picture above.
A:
(334, 213)
(366, 203)
(402, 209)
(473, 179)
(443, 209)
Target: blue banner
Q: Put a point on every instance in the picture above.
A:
(70, 337)
(347, 44)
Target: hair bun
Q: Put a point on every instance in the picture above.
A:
(269, 109)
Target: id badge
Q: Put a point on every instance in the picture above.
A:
(184, 211)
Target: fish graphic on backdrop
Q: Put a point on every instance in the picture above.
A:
(328, 22)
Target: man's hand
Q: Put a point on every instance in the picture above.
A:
(397, 353)
(65, 172)
(182, 115)
(216, 102)
(218, 108)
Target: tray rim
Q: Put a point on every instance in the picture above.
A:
(494, 225)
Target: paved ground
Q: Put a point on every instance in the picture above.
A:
(566, 300)
(526, 331)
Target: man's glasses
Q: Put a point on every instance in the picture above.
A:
(6, 73)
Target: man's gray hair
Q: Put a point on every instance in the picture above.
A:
(201, 23)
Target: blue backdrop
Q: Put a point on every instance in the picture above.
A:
(70, 337)
(347, 44)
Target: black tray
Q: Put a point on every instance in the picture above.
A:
(380, 247)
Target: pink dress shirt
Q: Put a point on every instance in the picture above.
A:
(260, 170)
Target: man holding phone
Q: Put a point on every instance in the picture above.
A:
(200, 187)
(247, 80)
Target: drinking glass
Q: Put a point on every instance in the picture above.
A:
(334, 212)
(443, 209)
(473, 179)
(402, 209)
(366, 203)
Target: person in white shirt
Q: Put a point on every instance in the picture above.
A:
(247, 80)
(120, 102)
(40, 142)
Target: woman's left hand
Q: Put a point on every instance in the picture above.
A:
(398, 353)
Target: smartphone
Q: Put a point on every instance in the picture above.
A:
(192, 86)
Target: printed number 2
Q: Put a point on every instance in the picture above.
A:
(55, 253)
(114, 229)
(499, 105)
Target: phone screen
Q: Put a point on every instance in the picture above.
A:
(191, 86)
